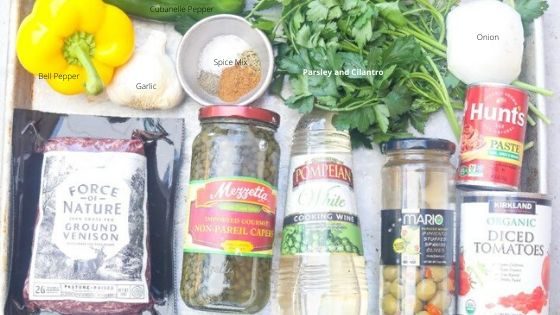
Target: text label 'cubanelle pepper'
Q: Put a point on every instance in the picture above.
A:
(182, 13)
(75, 44)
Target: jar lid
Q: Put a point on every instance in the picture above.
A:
(418, 144)
(240, 112)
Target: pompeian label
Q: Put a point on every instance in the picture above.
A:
(417, 237)
(90, 239)
(231, 215)
(321, 215)
(322, 171)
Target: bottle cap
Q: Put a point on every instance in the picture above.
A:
(418, 144)
(240, 112)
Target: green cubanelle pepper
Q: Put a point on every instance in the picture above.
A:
(182, 13)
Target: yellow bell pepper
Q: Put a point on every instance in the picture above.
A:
(75, 44)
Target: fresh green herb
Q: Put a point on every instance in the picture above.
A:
(530, 9)
(380, 65)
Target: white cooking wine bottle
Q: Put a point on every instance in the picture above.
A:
(322, 268)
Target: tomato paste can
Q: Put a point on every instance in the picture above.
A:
(493, 137)
(504, 246)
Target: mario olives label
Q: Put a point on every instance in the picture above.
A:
(321, 215)
(504, 255)
(231, 215)
(92, 222)
(417, 237)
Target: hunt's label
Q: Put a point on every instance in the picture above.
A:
(231, 215)
(321, 214)
(504, 264)
(90, 240)
(492, 142)
(417, 237)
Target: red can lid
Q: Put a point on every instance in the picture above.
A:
(240, 112)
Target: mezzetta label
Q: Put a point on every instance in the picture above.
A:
(220, 191)
(231, 215)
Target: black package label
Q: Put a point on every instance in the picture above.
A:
(417, 237)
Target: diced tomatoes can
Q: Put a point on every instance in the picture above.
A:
(504, 246)
(493, 137)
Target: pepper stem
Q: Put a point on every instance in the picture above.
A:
(79, 49)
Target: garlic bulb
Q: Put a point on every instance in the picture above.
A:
(148, 80)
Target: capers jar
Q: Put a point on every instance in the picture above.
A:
(232, 209)
(418, 228)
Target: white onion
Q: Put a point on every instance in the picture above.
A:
(471, 59)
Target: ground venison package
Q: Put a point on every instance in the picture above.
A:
(83, 215)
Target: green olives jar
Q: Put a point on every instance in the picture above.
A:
(417, 228)
(232, 208)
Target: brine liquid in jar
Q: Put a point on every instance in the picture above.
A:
(322, 268)
(230, 221)
(417, 228)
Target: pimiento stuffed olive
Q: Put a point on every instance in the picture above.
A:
(414, 289)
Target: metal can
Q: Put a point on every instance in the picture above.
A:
(504, 242)
(493, 137)
(227, 253)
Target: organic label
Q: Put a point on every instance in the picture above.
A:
(321, 215)
(504, 260)
(90, 242)
(417, 237)
(231, 215)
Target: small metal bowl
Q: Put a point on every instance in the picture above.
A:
(200, 35)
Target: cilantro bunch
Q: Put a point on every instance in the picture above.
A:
(354, 41)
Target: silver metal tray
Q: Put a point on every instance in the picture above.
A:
(24, 91)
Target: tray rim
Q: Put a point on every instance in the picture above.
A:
(5, 147)
(15, 73)
(540, 80)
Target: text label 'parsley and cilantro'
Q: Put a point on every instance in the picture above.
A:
(346, 72)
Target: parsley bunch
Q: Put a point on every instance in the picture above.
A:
(334, 51)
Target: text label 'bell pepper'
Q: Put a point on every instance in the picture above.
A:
(75, 44)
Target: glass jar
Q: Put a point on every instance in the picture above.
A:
(232, 200)
(417, 228)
